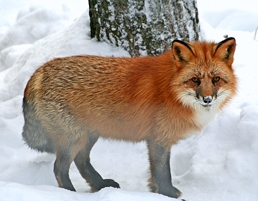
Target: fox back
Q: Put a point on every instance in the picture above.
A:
(70, 102)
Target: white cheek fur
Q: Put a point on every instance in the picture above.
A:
(203, 114)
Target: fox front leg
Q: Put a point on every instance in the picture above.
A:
(160, 181)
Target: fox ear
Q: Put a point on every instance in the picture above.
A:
(225, 50)
(182, 51)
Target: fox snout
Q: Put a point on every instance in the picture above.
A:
(206, 95)
(206, 101)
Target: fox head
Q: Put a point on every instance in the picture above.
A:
(205, 75)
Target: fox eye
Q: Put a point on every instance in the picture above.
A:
(195, 80)
(216, 79)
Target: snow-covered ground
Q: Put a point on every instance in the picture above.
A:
(218, 164)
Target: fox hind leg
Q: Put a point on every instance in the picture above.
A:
(82, 161)
(61, 170)
(66, 152)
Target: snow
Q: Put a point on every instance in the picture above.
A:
(218, 164)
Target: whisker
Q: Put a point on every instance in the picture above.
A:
(191, 94)
(222, 92)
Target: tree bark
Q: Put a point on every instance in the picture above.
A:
(144, 27)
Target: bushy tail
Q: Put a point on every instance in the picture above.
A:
(33, 132)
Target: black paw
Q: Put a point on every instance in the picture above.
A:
(175, 193)
(111, 183)
(103, 183)
(172, 192)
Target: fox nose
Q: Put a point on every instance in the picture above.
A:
(207, 99)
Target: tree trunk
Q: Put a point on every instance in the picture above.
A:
(144, 27)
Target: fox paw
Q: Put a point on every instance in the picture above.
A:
(173, 192)
(111, 183)
(103, 184)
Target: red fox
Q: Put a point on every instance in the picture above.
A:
(70, 102)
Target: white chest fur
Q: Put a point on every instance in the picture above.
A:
(205, 115)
